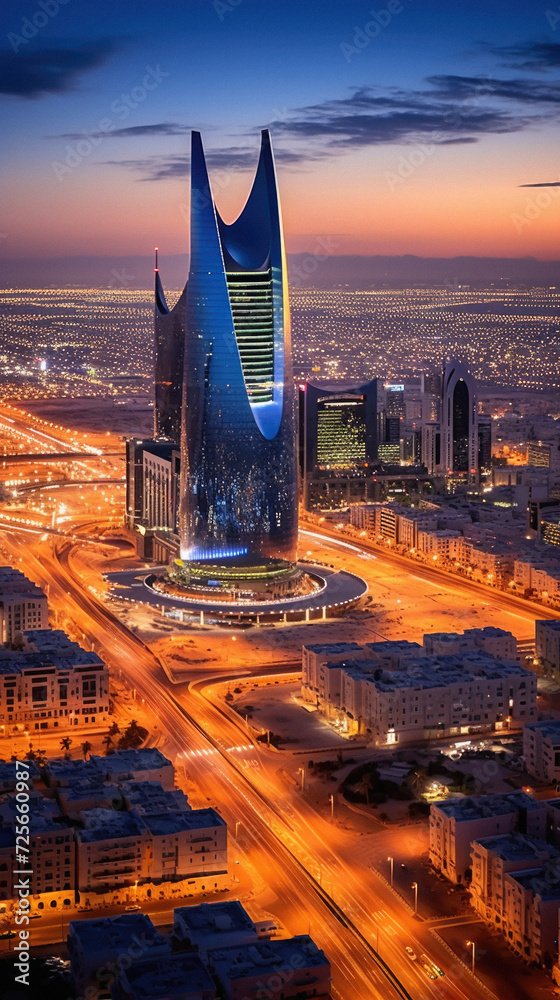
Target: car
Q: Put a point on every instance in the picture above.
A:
(133, 908)
(429, 971)
(7, 934)
(411, 954)
(437, 970)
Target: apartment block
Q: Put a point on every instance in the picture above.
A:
(52, 683)
(541, 750)
(213, 926)
(492, 858)
(111, 850)
(547, 642)
(51, 857)
(23, 605)
(390, 692)
(494, 641)
(297, 965)
(145, 764)
(187, 844)
(532, 904)
(100, 949)
(456, 823)
(169, 977)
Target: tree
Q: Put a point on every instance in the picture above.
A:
(85, 748)
(366, 785)
(65, 743)
(114, 729)
(108, 744)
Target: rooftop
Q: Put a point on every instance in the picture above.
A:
(550, 728)
(116, 933)
(108, 824)
(483, 806)
(196, 819)
(124, 761)
(264, 957)
(174, 976)
(513, 847)
(215, 918)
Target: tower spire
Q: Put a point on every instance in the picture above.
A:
(156, 268)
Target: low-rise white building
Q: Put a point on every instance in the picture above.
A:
(547, 645)
(492, 858)
(52, 683)
(532, 904)
(296, 964)
(541, 750)
(23, 605)
(144, 764)
(213, 925)
(456, 823)
(102, 948)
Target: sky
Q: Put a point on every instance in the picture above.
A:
(407, 127)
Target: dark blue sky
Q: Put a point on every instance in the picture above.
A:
(394, 133)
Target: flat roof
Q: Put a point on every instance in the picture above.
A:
(168, 976)
(196, 819)
(116, 933)
(215, 918)
(483, 806)
(513, 847)
(239, 961)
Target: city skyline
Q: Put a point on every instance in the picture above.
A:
(402, 131)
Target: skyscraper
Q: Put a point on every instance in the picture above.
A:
(459, 421)
(338, 441)
(238, 494)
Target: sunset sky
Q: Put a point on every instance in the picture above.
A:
(408, 132)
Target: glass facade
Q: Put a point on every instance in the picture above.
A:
(169, 327)
(238, 494)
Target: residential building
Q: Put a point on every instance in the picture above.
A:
(145, 764)
(541, 750)
(51, 855)
(111, 850)
(188, 844)
(213, 926)
(298, 966)
(492, 859)
(23, 605)
(547, 645)
(52, 683)
(456, 823)
(99, 949)
(532, 904)
(168, 977)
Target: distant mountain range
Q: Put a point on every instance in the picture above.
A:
(305, 270)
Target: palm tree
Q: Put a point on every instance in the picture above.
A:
(114, 729)
(366, 785)
(85, 748)
(65, 743)
(108, 744)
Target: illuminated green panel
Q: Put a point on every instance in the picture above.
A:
(250, 294)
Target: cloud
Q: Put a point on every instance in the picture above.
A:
(177, 165)
(454, 112)
(536, 56)
(35, 72)
(135, 131)
(542, 184)
(465, 88)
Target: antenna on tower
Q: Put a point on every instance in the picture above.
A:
(156, 268)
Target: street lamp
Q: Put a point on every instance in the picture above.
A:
(331, 797)
(472, 945)
(237, 825)
(301, 771)
(391, 860)
(415, 887)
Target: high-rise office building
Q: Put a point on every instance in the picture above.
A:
(338, 440)
(484, 443)
(238, 498)
(459, 422)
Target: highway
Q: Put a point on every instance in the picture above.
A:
(306, 862)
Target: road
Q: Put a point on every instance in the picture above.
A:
(312, 881)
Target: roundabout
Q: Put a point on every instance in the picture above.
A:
(335, 591)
